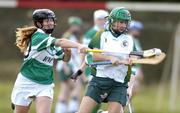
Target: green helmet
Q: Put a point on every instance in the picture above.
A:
(74, 21)
(119, 14)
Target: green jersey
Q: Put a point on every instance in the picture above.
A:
(38, 63)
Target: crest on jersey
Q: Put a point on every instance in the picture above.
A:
(125, 43)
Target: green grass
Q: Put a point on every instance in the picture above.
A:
(5, 98)
(5, 94)
(144, 102)
(9, 69)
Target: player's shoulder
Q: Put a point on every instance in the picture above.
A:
(38, 37)
(39, 34)
(105, 33)
(99, 33)
(127, 36)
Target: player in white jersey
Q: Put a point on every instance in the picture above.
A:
(111, 81)
(69, 96)
(35, 79)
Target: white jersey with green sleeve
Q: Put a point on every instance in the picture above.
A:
(124, 44)
(38, 63)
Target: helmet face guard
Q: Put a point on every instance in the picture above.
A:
(119, 14)
(40, 14)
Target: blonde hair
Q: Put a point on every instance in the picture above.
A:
(23, 36)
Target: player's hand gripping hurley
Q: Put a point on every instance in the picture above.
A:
(151, 56)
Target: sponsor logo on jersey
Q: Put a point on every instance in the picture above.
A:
(48, 59)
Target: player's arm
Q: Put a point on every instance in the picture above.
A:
(65, 43)
(96, 43)
(114, 60)
(83, 64)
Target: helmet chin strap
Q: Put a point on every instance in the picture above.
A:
(116, 33)
(48, 31)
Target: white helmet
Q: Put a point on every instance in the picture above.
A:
(100, 14)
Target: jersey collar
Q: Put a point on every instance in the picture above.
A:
(115, 34)
(41, 31)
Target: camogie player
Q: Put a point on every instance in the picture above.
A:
(69, 96)
(99, 23)
(111, 81)
(35, 79)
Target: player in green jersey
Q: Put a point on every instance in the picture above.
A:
(69, 96)
(35, 79)
(99, 22)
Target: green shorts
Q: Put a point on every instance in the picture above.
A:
(107, 90)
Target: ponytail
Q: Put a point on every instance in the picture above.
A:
(23, 37)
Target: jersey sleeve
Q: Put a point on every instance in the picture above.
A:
(43, 41)
(59, 54)
(96, 40)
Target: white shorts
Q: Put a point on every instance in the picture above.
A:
(24, 90)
